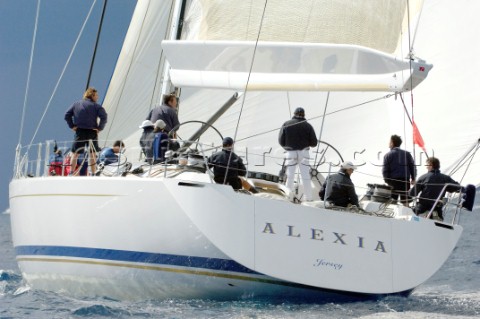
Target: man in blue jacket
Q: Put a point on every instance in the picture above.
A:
(430, 186)
(82, 117)
(110, 155)
(398, 169)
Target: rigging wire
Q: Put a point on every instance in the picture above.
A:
(412, 122)
(32, 51)
(246, 84)
(464, 159)
(96, 43)
(321, 126)
(325, 115)
(61, 75)
(469, 163)
(410, 57)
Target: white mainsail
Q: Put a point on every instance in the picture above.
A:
(359, 130)
(137, 81)
(447, 105)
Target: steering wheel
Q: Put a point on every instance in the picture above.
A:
(328, 154)
(195, 138)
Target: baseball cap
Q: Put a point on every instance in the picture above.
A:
(146, 123)
(160, 124)
(299, 110)
(227, 141)
(348, 164)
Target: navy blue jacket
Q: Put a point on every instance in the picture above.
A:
(429, 186)
(220, 162)
(398, 164)
(339, 189)
(84, 114)
(297, 134)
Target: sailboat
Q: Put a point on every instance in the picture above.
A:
(239, 70)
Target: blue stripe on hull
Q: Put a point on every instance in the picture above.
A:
(209, 264)
(134, 256)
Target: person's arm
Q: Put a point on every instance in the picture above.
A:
(281, 136)
(352, 195)
(102, 114)
(452, 188)
(242, 170)
(210, 160)
(69, 117)
(321, 194)
(149, 116)
(417, 188)
(411, 168)
(312, 138)
(385, 168)
(175, 120)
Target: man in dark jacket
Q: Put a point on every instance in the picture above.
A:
(160, 142)
(82, 117)
(338, 189)
(166, 112)
(227, 166)
(429, 188)
(146, 140)
(398, 169)
(296, 137)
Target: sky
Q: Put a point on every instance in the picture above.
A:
(59, 25)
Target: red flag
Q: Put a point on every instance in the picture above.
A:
(417, 137)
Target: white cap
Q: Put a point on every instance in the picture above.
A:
(348, 164)
(146, 123)
(160, 124)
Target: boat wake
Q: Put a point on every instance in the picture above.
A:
(431, 302)
(9, 282)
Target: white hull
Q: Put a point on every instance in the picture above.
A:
(124, 238)
(128, 238)
(320, 247)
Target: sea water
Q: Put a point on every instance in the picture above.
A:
(453, 292)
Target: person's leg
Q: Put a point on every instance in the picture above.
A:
(235, 182)
(76, 148)
(291, 165)
(392, 183)
(219, 179)
(94, 148)
(305, 173)
(73, 163)
(399, 190)
(93, 161)
(403, 192)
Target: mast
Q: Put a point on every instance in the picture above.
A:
(176, 26)
(96, 44)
